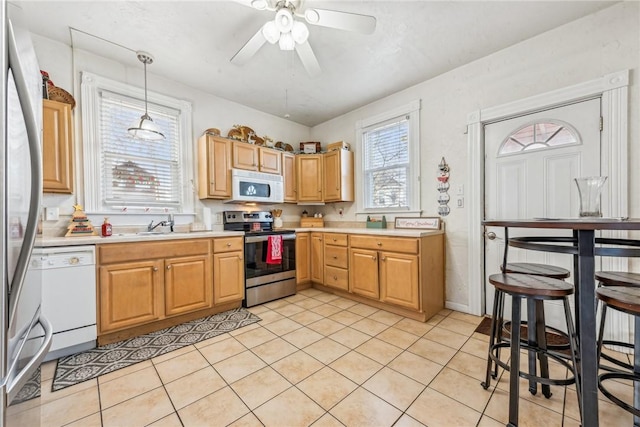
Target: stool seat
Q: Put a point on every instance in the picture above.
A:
(536, 269)
(526, 285)
(618, 278)
(623, 298)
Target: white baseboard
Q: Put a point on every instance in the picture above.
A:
(457, 307)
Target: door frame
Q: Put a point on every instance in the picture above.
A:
(613, 90)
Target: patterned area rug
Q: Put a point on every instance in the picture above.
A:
(90, 364)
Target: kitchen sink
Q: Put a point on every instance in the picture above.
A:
(151, 233)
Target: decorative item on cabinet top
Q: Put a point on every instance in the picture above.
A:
(339, 145)
(54, 93)
(248, 135)
(310, 147)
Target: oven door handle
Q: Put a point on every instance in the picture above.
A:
(264, 238)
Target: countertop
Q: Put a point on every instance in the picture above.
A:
(132, 237)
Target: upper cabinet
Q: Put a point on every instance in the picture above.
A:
(57, 147)
(309, 172)
(255, 158)
(338, 176)
(289, 177)
(214, 167)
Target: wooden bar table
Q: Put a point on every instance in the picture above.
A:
(583, 247)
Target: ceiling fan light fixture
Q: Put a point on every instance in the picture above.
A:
(259, 4)
(286, 42)
(144, 127)
(299, 32)
(284, 20)
(311, 16)
(271, 32)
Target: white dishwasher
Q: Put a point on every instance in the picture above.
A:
(68, 296)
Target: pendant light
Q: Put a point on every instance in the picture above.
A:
(144, 127)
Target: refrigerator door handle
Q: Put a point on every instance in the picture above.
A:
(16, 384)
(33, 134)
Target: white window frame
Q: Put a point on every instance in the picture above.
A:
(91, 86)
(412, 110)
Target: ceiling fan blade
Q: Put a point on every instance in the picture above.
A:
(364, 24)
(249, 49)
(308, 59)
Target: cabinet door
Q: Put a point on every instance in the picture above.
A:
(228, 277)
(57, 147)
(331, 170)
(214, 164)
(309, 170)
(188, 284)
(130, 294)
(269, 160)
(317, 258)
(399, 279)
(363, 273)
(289, 177)
(303, 271)
(245, 156)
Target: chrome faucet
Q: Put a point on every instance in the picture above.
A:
(167, 223)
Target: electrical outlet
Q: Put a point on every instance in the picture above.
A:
(52, 214)
(460, 202)
(460, 190)
(218, 218)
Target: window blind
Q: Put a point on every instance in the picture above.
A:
(135, 172)
(386, 164)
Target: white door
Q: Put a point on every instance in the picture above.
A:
(530, 164)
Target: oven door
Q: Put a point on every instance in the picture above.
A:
(257, 271)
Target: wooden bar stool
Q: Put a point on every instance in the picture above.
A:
(532, 289)
(536, 269)
(627, 300)
(615, 278)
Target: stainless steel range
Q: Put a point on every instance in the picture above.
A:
(265, 279)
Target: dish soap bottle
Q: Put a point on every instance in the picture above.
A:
(106, 228)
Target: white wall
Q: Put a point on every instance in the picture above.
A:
(209, 111)
(585, 49)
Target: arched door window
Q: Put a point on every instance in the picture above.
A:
(541, 135)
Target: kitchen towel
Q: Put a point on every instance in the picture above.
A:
(274, 249)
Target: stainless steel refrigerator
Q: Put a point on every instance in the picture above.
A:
(23, 344)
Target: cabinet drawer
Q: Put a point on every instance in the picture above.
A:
(125, 252)
(336, 239)
(336, 277)
(394, 244)
(227, 244)
(335, 256)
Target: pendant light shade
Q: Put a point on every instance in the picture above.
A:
(144, 127)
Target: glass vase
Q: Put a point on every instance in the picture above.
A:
(589, 189)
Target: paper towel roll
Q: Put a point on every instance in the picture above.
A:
(206, 218)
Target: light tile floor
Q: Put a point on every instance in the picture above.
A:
(321, 360)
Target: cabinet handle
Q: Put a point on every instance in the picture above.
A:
(379, 243)
(213, 183)
(335, 257)
(169, 267)
(155, 268)
(319, 191)
(228, 244)
(384, 258)
(373, 258)
(239, 257)
(335, 277)
(335, 240)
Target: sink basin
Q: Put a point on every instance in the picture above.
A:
(151, 233)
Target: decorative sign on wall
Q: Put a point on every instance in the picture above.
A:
(443, 187)
(427, 223)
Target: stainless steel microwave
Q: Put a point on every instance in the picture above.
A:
(256, 187)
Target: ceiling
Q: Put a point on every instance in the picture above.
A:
(193, 41)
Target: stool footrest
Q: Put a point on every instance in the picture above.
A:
(618, 376)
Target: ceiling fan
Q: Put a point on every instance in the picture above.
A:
(292, 34)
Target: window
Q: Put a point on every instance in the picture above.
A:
(390, 161)
(539, 136)
(129, 175)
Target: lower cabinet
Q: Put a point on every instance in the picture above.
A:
(363, 274)
(152, 285)
(399, 279)
(228, 270)
(317, 258)
(303, 270)
(336, 261)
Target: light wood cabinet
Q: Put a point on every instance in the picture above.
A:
(317, 258)
(336, 262)
(57, 147)
(148, 286)
(214, 167)
(228, 270)
(289, 177)
(130, 294)
(363, 273)
(338, 176)
(187, 284)
(399, 279)
(303, 270)
(309, 173)
(255, 158)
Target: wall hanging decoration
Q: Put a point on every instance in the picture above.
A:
(443, 187)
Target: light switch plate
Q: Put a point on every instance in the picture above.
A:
(52, 214)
